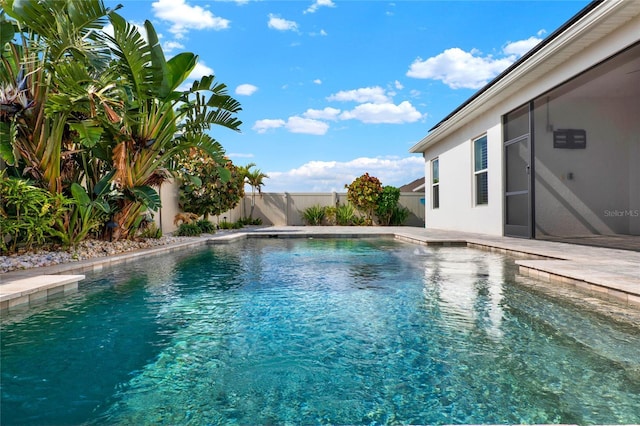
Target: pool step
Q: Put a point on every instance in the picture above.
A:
(26, 290)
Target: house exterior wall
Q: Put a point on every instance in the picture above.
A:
(451, 143)
(457, 202)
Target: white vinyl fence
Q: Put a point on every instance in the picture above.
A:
(280, 209)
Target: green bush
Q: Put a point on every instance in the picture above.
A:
(230, 225)
(343, 215)
(188, 230)
(245, 221)
(29, 215)
(208, 188)
(314, 215)
(206, 227)
(387, 204)
(151, 231)
(399, 216)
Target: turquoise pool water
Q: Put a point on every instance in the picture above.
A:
(312, 331)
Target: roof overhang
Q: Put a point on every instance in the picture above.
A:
(591, 24)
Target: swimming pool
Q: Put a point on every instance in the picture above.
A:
(315, 331)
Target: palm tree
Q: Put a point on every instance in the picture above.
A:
(255, 178)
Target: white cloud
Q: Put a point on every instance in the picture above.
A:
(262, 126)
(322, 33)
(281, 24)
(171, 45)
(459, 69)
(330, 176)
(317, 81)
(398, 85)
(246, 89)
(294, 124)
(322, 114)
(366, 94)
(307, 126)
(318, 4)
(185, 17)
(200, 70)
(383, 113)
(521, 47)
(470, 70)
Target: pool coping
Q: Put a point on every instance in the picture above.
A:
(609, 272)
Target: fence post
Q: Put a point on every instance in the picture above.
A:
(286, 209)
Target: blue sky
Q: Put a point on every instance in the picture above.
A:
(332, 89)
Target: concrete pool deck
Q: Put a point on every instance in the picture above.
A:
(611, 272)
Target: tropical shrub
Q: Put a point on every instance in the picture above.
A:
(387, 204)
(314, 215)
(28, 215)
(343, 215)
(230, 225)
(188, 230)
(84, 216)
(78, 105)
(363, 193)
(208, 188)
(206, 227)
(181, 218)
(399, 216)
(151, 231)
(249, 221)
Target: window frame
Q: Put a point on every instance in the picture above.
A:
(477, 200)
(435, 183)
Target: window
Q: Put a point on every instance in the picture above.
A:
(435, 184)
(480, 170)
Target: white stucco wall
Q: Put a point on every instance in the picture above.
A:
(457, 206)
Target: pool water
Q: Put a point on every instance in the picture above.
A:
(315, 331)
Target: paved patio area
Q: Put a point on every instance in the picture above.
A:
(612, 272)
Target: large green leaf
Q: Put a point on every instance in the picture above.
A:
(87, 14)
(195, 180)
(80, 195)
(104, 184)
(158, 62)
(132, 51)
(180, 66)
(225, 174)
(7, 132)
(147, 196)
(6, 32)
(89, 132)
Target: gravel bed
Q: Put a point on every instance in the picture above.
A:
(87, 249)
